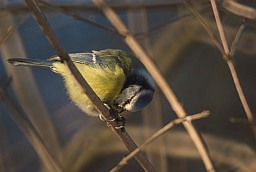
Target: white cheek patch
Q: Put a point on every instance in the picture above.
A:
(139, 101)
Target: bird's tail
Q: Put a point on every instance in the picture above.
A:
(29, 62)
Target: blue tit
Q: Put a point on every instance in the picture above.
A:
(119, 79)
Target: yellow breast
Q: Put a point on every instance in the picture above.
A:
(106, 83)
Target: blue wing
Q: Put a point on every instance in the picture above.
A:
(93, 59)
(83, 58)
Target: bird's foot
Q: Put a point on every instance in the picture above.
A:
(114, 118)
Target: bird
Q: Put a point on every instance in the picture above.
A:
(118, 78)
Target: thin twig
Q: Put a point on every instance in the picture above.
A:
(243, 100)
(74, 14)
(30, 133)
(227, 58)
(7, 34)
(220, 28)
(122, 134)
(240, 9)
(191, 7)
(88, 7)
(160, 132)
(10, 30)
(237, 38)
(162, 83)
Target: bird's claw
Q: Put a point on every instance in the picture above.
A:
(115, 117)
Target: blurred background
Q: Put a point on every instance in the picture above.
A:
(181, 49)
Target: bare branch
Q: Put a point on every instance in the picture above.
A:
(162, 83)
(204, 24)
(6, 34)
(243, 100)
(160, 132)
(88, 7)
(240, 9)
(237, 38)
(227, 57)
(74, 14)
(220, 28)
(30, 133)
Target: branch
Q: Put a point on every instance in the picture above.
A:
(227, 56)
(232, 69)
(243, 100)
(237, 38)
(240, 9)
(220, 28)
(191, 7)
(160, 132)
(30, 133)
(88, 7)
(122, 134)
(74, 14)
(7, 34)
(162, 83)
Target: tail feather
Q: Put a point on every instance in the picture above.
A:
(29, 62)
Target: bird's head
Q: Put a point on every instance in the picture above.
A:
(137, 92)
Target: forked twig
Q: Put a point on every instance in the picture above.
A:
(162, 83)
(226, 53)
(160, 132)
(227, 57)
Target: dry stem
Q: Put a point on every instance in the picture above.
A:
(240, 9)
(220, 27)
(237, 37)
(74, 14)
(162, 83)
(191, 7)
(227, 57)
(6, 34)
(160, 132)
(31, 134)
(241, 95)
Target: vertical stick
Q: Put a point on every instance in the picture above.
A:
(230, 64)
(162, 83)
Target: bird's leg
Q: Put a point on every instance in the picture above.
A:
(115, 116)
(102, 118)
